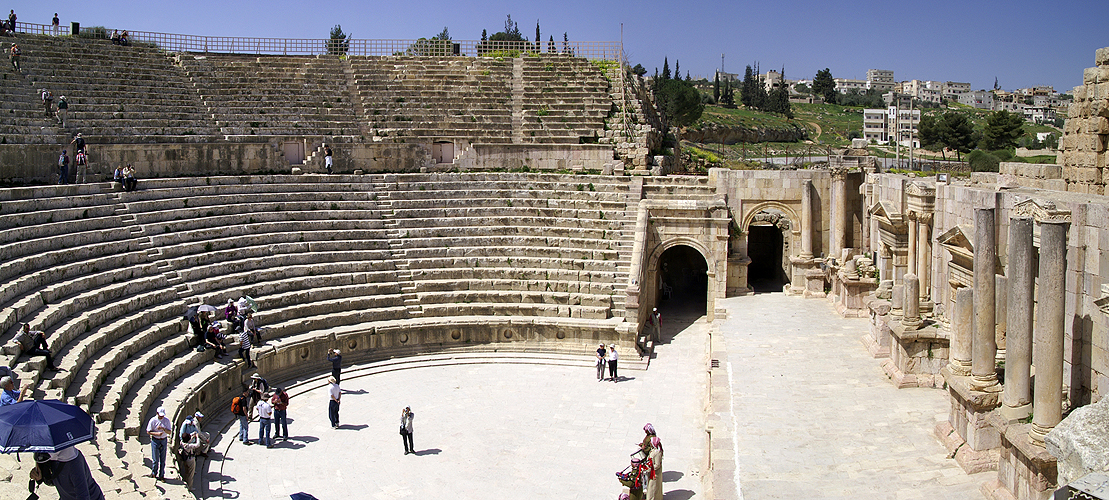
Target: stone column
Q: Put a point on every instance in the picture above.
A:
(1047, 410)
(806, 219)
(1018, 337)
(962, 326)
(913, 243)
(911, 315)
(839, 214)
(924, 260)
(984, 345)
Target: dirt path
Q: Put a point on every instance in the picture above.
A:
(818, 131)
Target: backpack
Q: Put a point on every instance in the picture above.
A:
(62, 161)
(237, 406)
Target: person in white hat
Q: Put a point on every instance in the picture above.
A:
(159, 429)
(336, 360)
(612, 358)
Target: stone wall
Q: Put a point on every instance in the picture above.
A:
(537, 157)
(38, 163)
(1086, 133)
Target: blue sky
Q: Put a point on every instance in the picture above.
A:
(1020, 42)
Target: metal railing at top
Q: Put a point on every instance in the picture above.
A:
(611, 51)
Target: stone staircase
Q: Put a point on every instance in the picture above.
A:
(107, 275)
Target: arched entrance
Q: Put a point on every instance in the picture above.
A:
(767, 246)
(682, 280)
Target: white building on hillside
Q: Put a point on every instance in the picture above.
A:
(845, 84)
(952, 90)
(881, 79)
(882, 125)
(980, 99)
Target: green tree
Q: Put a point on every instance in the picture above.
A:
(727, 94)
(1001, 131)
(665, 69)
(679, 101)
(825, 86)
(677, 69)
(538, 38)
(958, 133)
(551, 46)
(716, 88)
(778, 100)
(747, 91)
(438, 45)
(639, 70)
(339, 43)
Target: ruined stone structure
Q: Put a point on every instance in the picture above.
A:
(954, 276)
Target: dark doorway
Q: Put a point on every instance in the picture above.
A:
(764, 246)
(683, 280)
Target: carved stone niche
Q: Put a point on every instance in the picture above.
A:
(960, 269)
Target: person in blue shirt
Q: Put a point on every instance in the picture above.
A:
(336, 360)
(10, 395)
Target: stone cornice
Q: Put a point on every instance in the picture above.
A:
(1043, 213)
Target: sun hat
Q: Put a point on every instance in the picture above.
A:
(161, 411)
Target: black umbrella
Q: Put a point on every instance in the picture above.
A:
(46, 426)
(190, 313)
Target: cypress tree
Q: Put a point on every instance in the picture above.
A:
(716, 88)
(665, 69)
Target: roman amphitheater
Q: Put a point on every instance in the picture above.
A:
(498, 216)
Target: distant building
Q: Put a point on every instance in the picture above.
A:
(980, 99)
(726, 77)
(845, 84)
(879, 79)
(882, 126)
(771, 80)
(923, 90)
(1039, 114)
(952, 90)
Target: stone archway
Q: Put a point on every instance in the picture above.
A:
(687, 250)
(769, 234)
(682, 278)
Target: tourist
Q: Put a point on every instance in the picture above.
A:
(601, 363)
(129, 180)
(336, 360)
(39, 346)
(265, 419)
(14, 55)
(48, 102)
(80, 160)
(117, 176)
(327, 162)
(214, 341)
(187, 453)
(56, 24)
(63, 108)
(115, 37)
(244, 348)
(406, 430)
(654, 475)
(333, 394)
(238, 408)
(612, 358)
(63, 168)
(159, 428)
(280, 402)
(125, 38)
(258, 388)
(10, 395)
(69, 473)
(78, 143)
(252, 329)
(654, 324)
(11, 20)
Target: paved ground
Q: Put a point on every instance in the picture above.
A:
(485, 431)
(815, 415)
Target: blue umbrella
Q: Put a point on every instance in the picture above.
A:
(46, 426)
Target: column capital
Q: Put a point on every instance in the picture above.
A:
(1042, 212)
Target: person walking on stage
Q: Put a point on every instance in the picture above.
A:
(406, 430)
(612, 359)
(333, 394)
(336, 360)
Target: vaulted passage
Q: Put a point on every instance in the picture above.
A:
(683, 279)
(766, 272)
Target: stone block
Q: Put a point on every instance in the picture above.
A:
(1101, 56)
(1080, 442)
(1090, 76)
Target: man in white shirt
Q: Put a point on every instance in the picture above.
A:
(159, 429)
(265, 419)
(612, 358)
(333, 393)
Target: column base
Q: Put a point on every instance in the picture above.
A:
(1015, 413)
(985, 384)
(959, 367)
